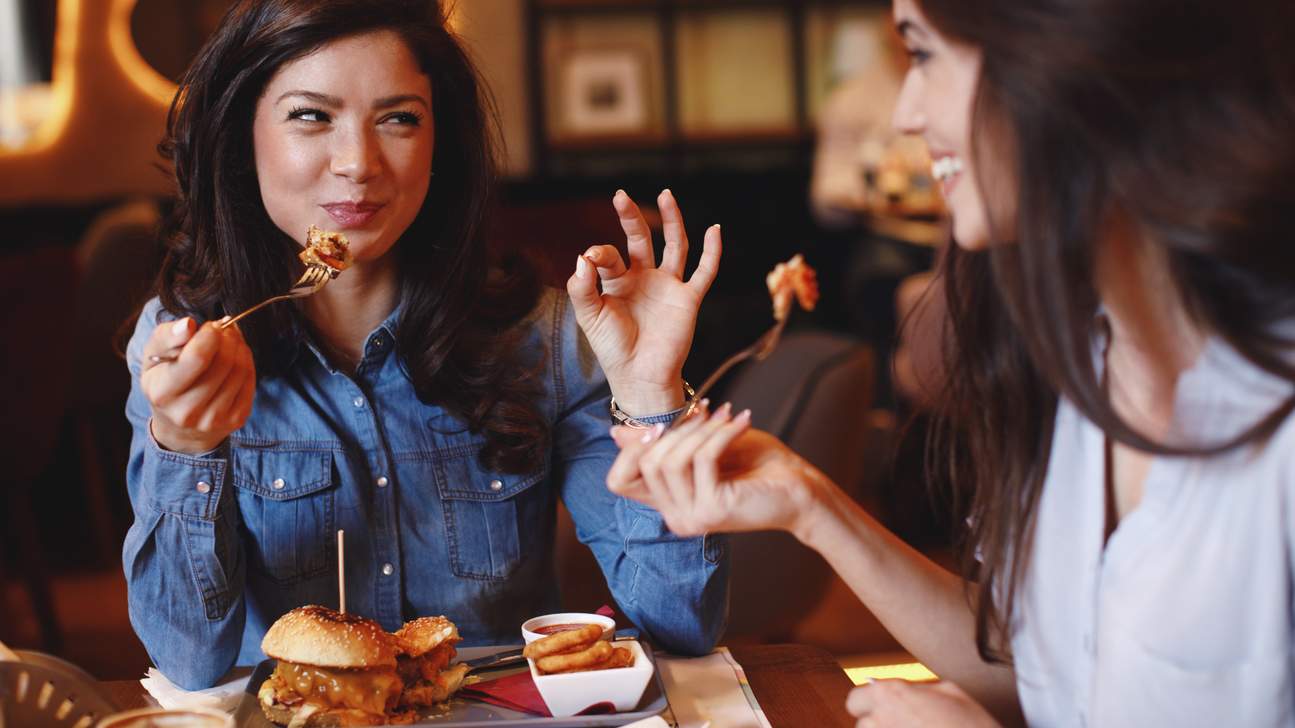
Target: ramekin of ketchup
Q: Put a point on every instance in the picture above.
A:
(547, 624)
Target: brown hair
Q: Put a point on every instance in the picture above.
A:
(1173, 115)
(460, 333)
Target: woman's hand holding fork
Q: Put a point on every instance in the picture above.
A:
(206, 392)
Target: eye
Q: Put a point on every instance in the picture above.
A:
(302, 113)
(918, 56)
(403, 118)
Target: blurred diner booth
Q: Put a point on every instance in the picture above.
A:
(592, 97)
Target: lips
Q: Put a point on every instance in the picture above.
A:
(352, 214)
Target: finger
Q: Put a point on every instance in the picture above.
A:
(638, 236)
(706, 460)
(166, 341)
(675, 255)
(860, 700)
(582, 289)
(607, 259)
(183, 374)
(195, 408)
(708, 266)
(222, 410)
(679, 470)
(625, 478)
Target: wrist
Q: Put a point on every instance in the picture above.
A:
(645, 401)
(173, 439)
(815, 510)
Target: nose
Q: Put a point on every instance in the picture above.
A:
(908, 117)
(357, 155)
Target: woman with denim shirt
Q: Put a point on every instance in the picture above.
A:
(430, 401)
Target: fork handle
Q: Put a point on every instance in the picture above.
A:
(255, 308)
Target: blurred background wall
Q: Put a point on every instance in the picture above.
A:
(720, 100)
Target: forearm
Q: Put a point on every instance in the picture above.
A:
(184, 565)
(922, 604)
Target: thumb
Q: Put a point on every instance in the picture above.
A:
(583, 290)
(181, 331)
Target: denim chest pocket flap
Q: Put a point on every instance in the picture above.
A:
(286, 499)
(489, 515)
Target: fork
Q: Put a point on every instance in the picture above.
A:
(760, 350)
(313, 279)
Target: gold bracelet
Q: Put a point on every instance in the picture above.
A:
(621, 418)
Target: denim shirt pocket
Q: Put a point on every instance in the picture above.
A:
(286, 498)
(486, 513)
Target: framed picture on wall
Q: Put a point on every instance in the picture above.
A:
(604, 91)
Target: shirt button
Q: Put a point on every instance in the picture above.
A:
(204, 486)
(388, 569)
(358, 402)
(382, 481)
(278, 484)
(496, 485)
(377, 341)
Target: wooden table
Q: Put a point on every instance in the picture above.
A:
(796, 685)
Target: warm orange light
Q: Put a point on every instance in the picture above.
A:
(62, 82)
(126, 53)
(911, 671)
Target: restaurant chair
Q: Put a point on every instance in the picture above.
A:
(118, 257)
(814, 393)
(37, 288)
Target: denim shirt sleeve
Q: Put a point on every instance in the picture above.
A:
(182, 558)
(674, 589)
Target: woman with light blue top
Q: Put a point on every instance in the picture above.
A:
(432, 401)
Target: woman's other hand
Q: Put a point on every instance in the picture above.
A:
(206, 393)
(715, 473)
(641, 325)
(886, 703)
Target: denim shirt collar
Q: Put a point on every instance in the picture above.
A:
(377, 345)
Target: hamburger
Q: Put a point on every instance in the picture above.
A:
(334, 670)
(427, 647)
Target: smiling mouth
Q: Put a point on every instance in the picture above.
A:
(352, 214)
(946, 168)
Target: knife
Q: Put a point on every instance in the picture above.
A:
(514, 656)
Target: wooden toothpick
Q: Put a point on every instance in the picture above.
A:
(341, 571)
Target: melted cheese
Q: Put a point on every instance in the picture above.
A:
(372, 691)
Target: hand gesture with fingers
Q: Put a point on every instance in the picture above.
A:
(714, 473)
(641, 323)
(205, 393)
(885, 703)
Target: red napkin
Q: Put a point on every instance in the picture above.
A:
(518, 692)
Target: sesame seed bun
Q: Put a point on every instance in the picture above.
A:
(320, 636)
(425, 634)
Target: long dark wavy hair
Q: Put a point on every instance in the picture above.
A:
(460, 329)
(1175, 115)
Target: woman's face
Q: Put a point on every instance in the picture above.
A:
(936, 102)
(343, 140)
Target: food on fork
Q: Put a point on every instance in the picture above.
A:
(796, 278)
(326, 248)
(334, 670)
(427, 647)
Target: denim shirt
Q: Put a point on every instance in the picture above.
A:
(225, 542)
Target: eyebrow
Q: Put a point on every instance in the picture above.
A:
(385, 102)
(906, 27)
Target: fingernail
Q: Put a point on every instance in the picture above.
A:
(715, 226)
(181, 327)
(724, 410)
(745, 416)
(667, 191)
(620, 193)
(582, 266)
(653, 433)
(704, 405)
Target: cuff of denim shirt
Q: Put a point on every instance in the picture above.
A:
(664, 418)
(186, 485)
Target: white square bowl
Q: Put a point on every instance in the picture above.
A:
(569, 693)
